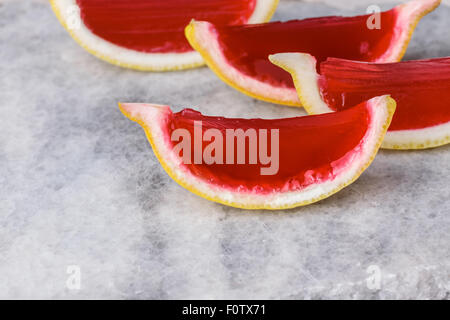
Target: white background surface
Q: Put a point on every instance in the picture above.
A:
(79, 185)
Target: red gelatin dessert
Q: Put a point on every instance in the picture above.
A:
(238, 54)
(421, 89)
(265, 164)
(149, 34)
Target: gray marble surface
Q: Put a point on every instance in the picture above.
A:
(79, 185)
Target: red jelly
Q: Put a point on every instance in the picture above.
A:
(157, 26)
(421, 88)
(247, 47)
(312, 149)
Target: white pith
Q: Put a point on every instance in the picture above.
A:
(207, 38)
(408, 15)
(134, 59)
(302, 67)
(152, 118)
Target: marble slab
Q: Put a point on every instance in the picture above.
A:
(81, 192)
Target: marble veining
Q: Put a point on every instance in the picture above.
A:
(80, 186)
